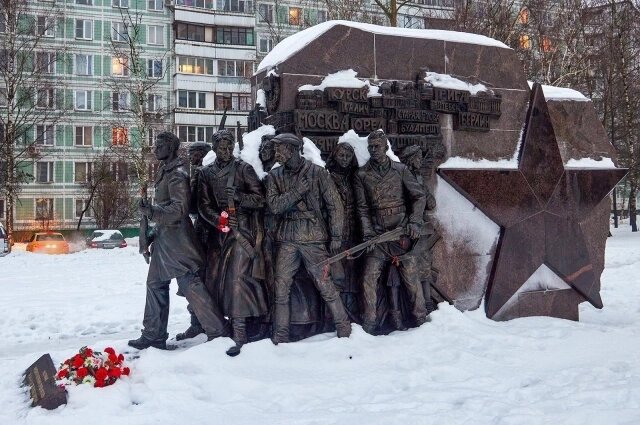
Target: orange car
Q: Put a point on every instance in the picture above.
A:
(48, 243)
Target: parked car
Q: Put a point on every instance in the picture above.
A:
(106, 239)
(5, 246)
(48, 243)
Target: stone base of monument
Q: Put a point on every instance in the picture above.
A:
(40, 379)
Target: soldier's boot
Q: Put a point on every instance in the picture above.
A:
(340, 318)
(193, 330)
(281, 324)
(396, 320)
(369, 327)
(239, 336)
(422, 320)
(343, 329)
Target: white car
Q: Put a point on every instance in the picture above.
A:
(5, 246)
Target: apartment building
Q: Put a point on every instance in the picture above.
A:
(202, 54)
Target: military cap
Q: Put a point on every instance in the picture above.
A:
(288, 138)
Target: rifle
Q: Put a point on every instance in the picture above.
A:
(391, 235)
(223, 120)
(143, 239)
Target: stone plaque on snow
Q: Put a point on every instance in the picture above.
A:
(40, 378)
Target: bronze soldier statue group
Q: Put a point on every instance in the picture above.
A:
(306, 250)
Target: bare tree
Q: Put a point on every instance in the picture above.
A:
(31, 98)
(140, 109)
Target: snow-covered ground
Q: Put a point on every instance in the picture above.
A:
(459, 369)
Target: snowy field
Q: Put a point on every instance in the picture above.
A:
(459, 369)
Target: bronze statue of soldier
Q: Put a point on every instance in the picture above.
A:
(389, 196)
(412, 157)
(342, 165)
(231, 186)
(267, 153)
(174, 252)
(298, 193)
(197, 151)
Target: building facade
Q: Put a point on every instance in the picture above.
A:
(198, 55)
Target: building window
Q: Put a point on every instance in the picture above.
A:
(192, 99)
(155, 34)
(412, 22)
(121, 3)
(120, 171)
(154, 102)
(2, 207)
(190, 133)
(84, 29)
(155, 5)
(85, 2)
(154, 68)
(46, 62)
(234, 35)
(233, 101)
(151, 136)
(119, 136)
(84, 136)
(265, 12)
(44, 209)
(322, 16)
(546, 44)
(523, 16)
(83, 100)
(81, 204)
(84, 64)
(234, 68)
(46, 26)
(120, 66)
(193, 65)
(45, 98)
(525, 42)
(265, 45)
(119, 32)
(190, 32)
(3, 98)
(82, 172)
(205, 4)
(119, 101)
(45, 135)
(295, 16)
(242, 6)
(44, 172)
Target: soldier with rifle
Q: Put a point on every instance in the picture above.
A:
(388, 196)
(411, 156)
(197, 152)
(174, 251)
(298, 193)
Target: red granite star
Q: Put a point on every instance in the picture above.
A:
(539, 207)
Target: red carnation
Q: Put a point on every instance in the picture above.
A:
(120, 358)
(110, 350)
(88, 352)
(113, 358)
(78, 361)
(99, 383)
(82, 372)
(125, 371)
(63, 373)
(114, 372)
(101, 374)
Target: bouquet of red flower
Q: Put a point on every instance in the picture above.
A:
(92, 367)
(224, 220)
